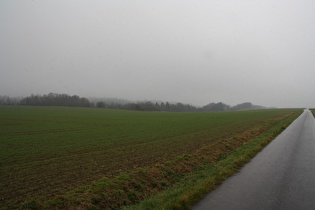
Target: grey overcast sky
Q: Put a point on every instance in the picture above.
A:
(189, 51)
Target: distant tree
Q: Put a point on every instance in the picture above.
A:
(157, 107)
(167, 107)
(148, 106)
(8, 101)
(54, 99)
(179, 107)
(246, 106)
(163, 108)
(215, 107)
(100, 104)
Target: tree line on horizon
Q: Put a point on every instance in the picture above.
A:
(55, 99)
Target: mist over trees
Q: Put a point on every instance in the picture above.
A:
(55, 99)
(246, 106)
(9, 101)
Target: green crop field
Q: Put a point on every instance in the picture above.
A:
(53, 157)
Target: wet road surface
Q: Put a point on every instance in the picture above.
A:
(282, 176)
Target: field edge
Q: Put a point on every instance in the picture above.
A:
(194, 186)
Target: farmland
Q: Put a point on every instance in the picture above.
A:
(71, 157)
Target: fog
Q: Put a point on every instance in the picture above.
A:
(193, 52)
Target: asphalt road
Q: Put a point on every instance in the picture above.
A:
(282, 176)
